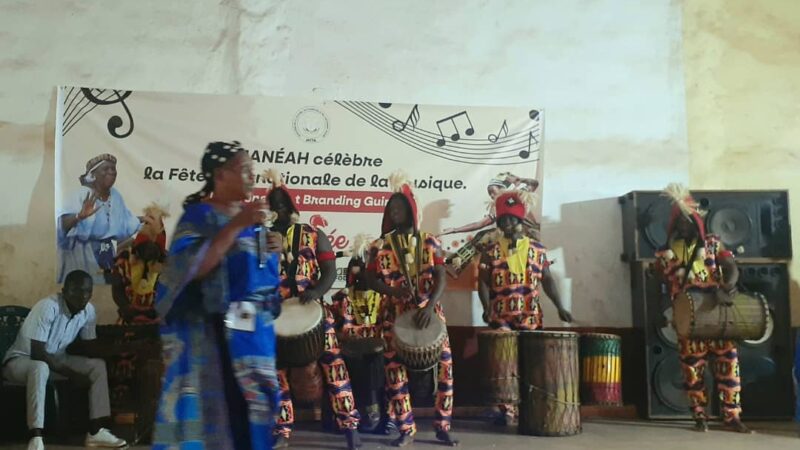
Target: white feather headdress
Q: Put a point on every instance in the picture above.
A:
(682, 198)
(360, 247)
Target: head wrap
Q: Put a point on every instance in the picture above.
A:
(683, 204)
(215, 156)
(88, 178)
(401, 186)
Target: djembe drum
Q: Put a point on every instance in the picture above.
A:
(419, 349)
(549, 403)
(306, 383)
(499, 360)
(299, 329)
(700, 314)
(601, 369)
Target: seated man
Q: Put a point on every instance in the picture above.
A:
(40, 347)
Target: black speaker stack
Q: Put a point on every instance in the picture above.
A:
(753, 224)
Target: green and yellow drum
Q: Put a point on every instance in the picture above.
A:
(601, 369)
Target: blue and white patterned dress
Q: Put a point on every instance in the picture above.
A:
(196, 411)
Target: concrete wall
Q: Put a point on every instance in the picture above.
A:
(609, 74)
(742, 62)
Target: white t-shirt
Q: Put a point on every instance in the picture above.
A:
(51, 322)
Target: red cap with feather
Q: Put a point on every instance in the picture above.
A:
(510, 203)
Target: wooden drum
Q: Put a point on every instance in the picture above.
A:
(299, 329)
(499, 361)
(418, 349)
(601, 369)
(549, 403)
(702, 315)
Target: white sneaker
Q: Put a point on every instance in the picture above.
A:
(36, 443)
(104, 439)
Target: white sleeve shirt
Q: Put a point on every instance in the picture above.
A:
(51, 322)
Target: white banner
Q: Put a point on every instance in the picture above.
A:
(335, 157)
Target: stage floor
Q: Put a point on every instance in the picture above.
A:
(597, 434)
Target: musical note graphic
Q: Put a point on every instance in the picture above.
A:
(534, 114)
(456, 135)
(503, 132)
(413, 118)
(524, 154)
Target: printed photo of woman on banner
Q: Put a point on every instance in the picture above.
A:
(94, 222)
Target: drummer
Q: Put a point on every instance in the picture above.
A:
(308, 271)
(406, 266)
(691, 259)
(512, 268)
(358, 314)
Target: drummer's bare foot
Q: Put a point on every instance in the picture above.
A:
(281, 442)
(738, 426)
(403, 440)
(353, 439)
(700, 425)
(445, 438)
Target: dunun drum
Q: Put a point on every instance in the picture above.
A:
(364, 360)
(703, 315)
(418, 349)
(549, 403)
(299, 329)
(601, 369)
(499, 359)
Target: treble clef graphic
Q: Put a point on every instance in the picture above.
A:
(114, 122)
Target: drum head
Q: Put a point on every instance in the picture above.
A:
(602, 336)
(489, 334)
(538, 334)
(406, 331)
(769, 329)
(297, 319)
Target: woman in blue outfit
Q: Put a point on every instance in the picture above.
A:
(218, 298)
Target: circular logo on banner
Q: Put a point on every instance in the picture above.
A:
(310, 124)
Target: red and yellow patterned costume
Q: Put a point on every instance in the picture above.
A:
(334, 370)
(352, 323)
(516, 283)
(387, 267)
(515, 276)
(686, 266)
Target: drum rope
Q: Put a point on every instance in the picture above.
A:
(550, 395)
